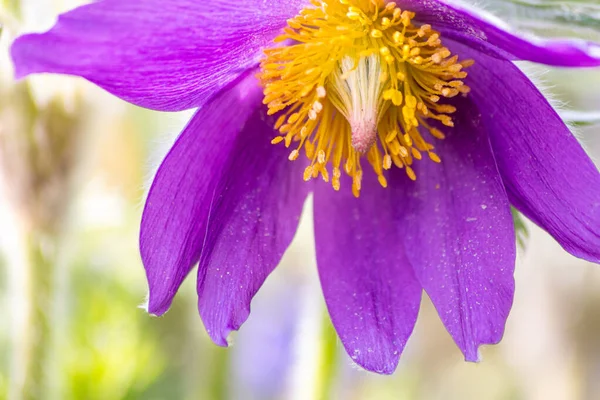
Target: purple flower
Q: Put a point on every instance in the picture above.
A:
(349, 84)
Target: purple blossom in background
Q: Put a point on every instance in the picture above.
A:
(264, 355)
(229, 200)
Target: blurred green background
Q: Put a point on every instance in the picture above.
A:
(76, 164)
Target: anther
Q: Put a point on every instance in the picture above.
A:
(376, 33)
(294, 155)
(293, 118)
(398, 38)
(321, 157)
(434, 157)
(387, 161)
(416, 153)
(308, 173)
(436, 133)
(391, 136)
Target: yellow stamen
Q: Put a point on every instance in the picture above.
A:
(359, 81)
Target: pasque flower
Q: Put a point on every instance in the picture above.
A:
(413, 112)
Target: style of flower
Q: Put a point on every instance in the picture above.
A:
(423, 93)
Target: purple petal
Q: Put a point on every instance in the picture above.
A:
(546, 172)
(459, 234)
(370, 289)
(176, 211)
(252, 222)
(486, 33)
(165, 55)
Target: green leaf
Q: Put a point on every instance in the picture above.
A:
(521, 230)
(581, 118)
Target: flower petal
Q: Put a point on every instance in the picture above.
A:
(174, 218)
(484, 32)
(252, 222)
(165, 55)
(370, 289)
(546, 172)
(459, 234)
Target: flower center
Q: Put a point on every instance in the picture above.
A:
(357, 80)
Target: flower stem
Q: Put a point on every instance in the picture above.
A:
(33, 343)
(327, 367)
